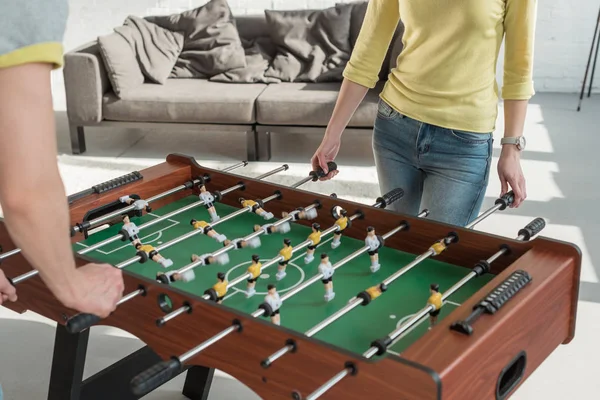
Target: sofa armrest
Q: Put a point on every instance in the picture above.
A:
(86, 81)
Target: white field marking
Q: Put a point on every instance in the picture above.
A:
(236, 290)
(394, 353)
(291, 263)
(144, 239)
(392, 316)
(453, 303)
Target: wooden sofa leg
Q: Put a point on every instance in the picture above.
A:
(77, 139)
(251, 150)
(263, 140)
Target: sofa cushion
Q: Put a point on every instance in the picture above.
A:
(186, 100)
(252, 26)
(121, 65)
(311, 104)
(211, 40)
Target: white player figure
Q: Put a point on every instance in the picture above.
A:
(253, 243)
(273, 300)
(208, 259)
(269, 229)
(209, 200)
(138, 204)
(131, 231)
(301, 213)
(374, 242)
(326, 269)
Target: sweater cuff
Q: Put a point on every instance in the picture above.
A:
(352, 74)
(518, 91)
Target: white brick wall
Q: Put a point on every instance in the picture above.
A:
(563, 39)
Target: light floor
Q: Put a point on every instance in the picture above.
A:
(562, 186)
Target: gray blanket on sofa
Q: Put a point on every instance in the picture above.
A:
(303, 46)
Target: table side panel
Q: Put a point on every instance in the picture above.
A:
(536, 320)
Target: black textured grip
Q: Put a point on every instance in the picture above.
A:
(80, 322)
(331, 166)
(155, 376)
(390, 197)
(533, 228)
(117, 182)
(505, 291)
(493, 301)
(506, 200)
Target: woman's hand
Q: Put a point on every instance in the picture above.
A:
(510, 173)
(7, 290)
(327, 151)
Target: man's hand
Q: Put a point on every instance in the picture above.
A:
(327, 151)
(7, 291)
(510, 173)
(96, 289)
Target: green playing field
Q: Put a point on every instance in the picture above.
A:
(355, 331)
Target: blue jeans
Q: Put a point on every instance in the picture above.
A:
(445, 171)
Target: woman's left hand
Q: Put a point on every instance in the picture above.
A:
(510, 173)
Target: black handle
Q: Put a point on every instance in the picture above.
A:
(495, 300)
(390, 197)
(155, 376)
(319, 173)
(80, 322)
(533, 228)
(106, 186)
(506, 200)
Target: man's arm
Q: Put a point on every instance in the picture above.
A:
(32, 194)
(31, 190)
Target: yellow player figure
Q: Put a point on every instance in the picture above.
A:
(220, 287)
(208, 230)
(436, 301)
(342, 223)
(315, 238)
(326, 269)
(286, 253)
(273, 300)
(150, 252)
(256, 208)
(254, 270)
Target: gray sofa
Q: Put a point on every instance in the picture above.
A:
(254, 110)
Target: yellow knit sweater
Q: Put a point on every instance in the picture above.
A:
(446, 73)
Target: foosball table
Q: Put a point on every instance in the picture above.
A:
(302, 295)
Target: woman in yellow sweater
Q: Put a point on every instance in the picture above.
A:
(434, 128)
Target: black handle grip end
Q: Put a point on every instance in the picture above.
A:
(80, 322)
(155, 376)
(390, 197)
(462, 327)
(506, 200)
(533, 228)
(319, 173)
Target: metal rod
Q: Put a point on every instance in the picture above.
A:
(301, 182)
(235, 166)
(9, 253)
(186, 356)
(284, 167)
(330, 383)
(174, 314)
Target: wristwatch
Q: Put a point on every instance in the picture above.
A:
(518, 141)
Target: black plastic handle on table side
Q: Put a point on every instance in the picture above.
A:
(331, 166)
(494, 301)
(155, 376)
(533, 228)
(106, 186)
(81, 322)
(506, 200)
(390, 197)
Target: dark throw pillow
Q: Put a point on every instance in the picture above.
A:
(211, 45)
(312, 45)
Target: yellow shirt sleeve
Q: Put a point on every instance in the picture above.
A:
(380, 23)
(519, 28)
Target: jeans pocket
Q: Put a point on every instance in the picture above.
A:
(385, 111)
(471, 138)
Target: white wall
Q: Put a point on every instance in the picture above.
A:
(563, 40)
